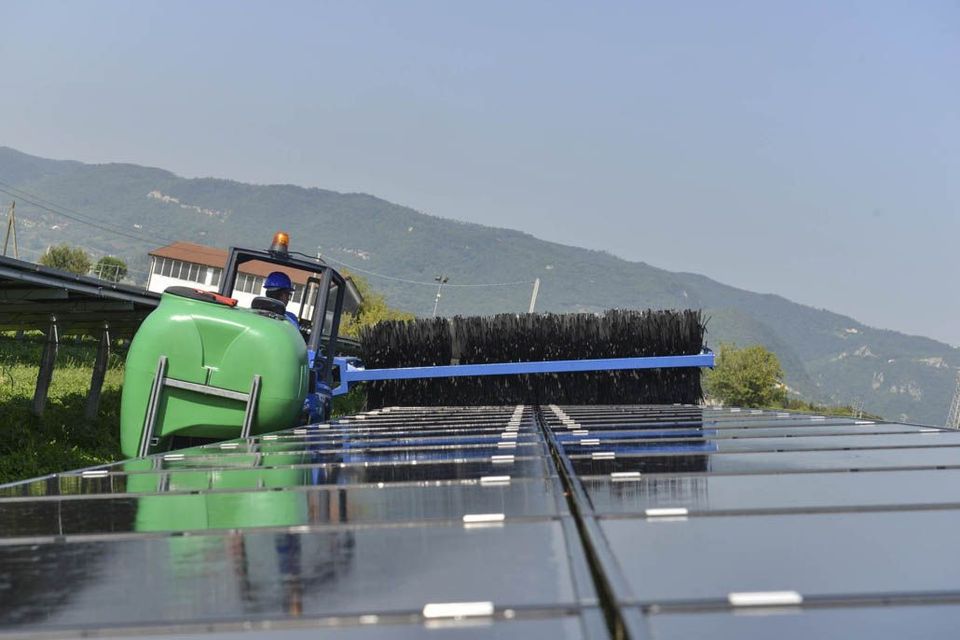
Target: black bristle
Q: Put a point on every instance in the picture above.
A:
(536, 337)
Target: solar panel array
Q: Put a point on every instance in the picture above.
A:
(555, 521)
(378, 524)
(733, 523)
(32, 294)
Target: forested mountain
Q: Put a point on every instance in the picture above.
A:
(828, 357)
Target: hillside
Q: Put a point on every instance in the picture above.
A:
(828, 357)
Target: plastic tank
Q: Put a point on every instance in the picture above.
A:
(211, 343)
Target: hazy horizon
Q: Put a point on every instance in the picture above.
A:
(804, 150)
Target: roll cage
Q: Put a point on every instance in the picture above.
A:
(321, 344)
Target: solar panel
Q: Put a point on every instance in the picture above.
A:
(559, 522)
(828, 527)
(32, 293)
(451, 520)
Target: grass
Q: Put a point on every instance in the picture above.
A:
(62, 439)
(353, 402)
(843, 411)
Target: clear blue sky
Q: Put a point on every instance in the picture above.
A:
(810, 149)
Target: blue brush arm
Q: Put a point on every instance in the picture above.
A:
(351, 371)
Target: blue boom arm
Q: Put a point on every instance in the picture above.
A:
(351, 372)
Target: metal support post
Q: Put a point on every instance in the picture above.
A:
(953, 416)
(47, 361)
(11, 231)
(99, 373)
(533, 296)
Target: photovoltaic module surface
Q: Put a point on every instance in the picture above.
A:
(505, 521)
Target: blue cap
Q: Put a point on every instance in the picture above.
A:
(278, 280)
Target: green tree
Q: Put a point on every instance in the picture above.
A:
(748, 377)
(373, 309)
(66, 258)
(110, 268)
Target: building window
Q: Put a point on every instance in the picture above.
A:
(190, 271)
(297, 293)
(247, 283)
(193, 272)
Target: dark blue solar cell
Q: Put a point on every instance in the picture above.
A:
(338, 572)
(780, 491)
(820, 554)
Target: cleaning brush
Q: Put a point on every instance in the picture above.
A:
(534, 338)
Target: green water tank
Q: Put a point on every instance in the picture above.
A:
(226, 499)
(209, 342)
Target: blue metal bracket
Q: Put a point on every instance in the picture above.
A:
(351, 374)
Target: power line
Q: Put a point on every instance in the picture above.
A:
(427, 284)
(63, 210)
(70, 214)
(95, 255)
(57, 209)
(95, 225)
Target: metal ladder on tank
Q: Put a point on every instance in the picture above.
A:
(161, 382)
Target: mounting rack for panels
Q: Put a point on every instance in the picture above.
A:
(161, 381)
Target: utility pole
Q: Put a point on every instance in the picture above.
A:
(533, 296)
(953, 418)
(858, 409)
(441, 280)
(11, 231)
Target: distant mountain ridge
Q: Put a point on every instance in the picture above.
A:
(828, 357)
